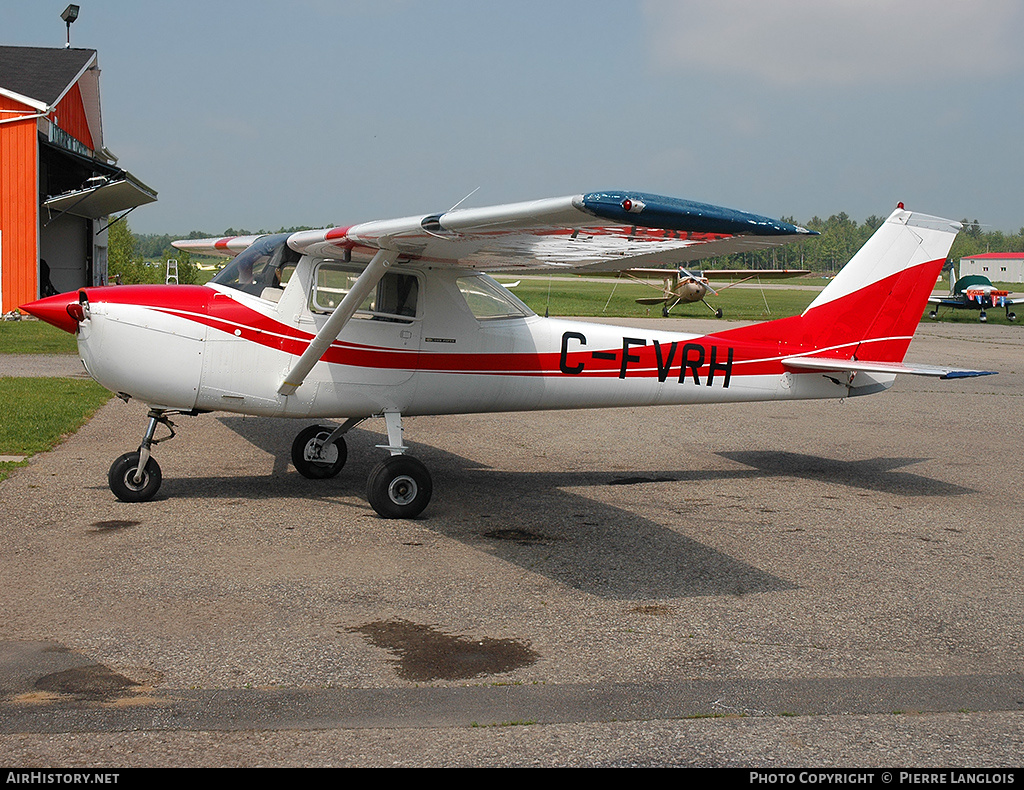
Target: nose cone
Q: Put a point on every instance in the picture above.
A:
(54, 310)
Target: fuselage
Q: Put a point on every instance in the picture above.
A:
(462, 344)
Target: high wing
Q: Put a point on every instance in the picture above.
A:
(228, 246)
(602, 231)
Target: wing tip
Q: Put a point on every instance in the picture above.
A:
(658, 211)
(968, 374)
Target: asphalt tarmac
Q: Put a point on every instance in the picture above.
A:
(814, 584)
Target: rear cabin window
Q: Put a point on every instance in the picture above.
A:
(394, 299)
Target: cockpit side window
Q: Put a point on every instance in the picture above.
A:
(267, 263)
(394, 299)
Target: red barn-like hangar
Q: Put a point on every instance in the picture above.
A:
(58, 183)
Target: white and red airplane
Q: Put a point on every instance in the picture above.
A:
(397, 318)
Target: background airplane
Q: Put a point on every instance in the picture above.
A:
(393, 318)
(680, 286)
(973, 292)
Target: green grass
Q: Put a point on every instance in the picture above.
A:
(593, 299)
(35, 337)
(578, 297)
(39, 412)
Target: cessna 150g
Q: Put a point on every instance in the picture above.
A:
(398, 317)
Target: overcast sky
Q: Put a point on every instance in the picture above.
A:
(263, 114)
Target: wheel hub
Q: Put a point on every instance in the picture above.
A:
(403, 490)
(317, 452)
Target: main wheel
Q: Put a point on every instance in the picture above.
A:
(318, 463)
(121, 478)
(983, 318)
(1011, 316)
(399, 487)
(933, 315)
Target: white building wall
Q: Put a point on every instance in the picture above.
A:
(1001, 270)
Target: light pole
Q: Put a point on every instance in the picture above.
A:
(70, 15)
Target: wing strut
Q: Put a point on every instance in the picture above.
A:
(365, 283)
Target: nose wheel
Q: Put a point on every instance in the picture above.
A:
(130, 486)
(135, 477)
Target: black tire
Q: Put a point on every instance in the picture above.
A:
(983, 318)
(334, 456)
(399, 487)
(122, 483)
(1012, 316)
(719, 313)
(933, 315)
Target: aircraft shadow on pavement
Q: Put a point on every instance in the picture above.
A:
(874, 474)
(536, 521)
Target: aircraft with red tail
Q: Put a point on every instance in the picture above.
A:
(397, 318)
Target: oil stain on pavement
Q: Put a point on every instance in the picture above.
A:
(423, 653)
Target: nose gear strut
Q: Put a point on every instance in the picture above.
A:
(135, 477)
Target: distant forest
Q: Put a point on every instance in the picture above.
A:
(840, 238)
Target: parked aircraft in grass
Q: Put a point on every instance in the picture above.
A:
(396, 318)
(680, 286)
(973, 292)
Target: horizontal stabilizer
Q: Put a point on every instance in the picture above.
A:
(861, 366)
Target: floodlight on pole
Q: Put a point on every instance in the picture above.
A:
(70, 15)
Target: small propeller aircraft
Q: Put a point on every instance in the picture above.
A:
(399, 317)
(682, 287)
(973, 292)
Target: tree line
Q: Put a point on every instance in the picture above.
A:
(840, 238)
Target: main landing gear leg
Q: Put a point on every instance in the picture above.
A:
(716, 310)
(135, 477)
(400, 486)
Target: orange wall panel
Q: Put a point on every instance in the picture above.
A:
(19, 158)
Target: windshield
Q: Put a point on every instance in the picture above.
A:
(266, 263)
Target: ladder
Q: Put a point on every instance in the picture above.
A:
(172, 272)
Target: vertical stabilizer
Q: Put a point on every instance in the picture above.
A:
(873, 306)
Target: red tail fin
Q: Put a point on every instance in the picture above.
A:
(873, 306)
